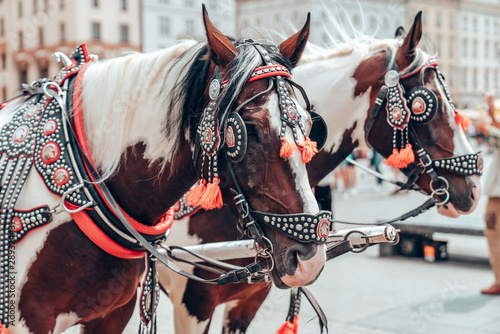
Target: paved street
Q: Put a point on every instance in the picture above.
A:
(364, 293)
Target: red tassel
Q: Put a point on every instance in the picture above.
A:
(406, 156)
(194, 196)
(4, 330)
(212, 198)
(309, 149)
(287, 148)
(462, 119)
(394, 159)
(289, 327)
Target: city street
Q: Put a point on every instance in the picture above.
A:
(364, 293)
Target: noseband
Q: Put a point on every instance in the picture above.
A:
(418, 106)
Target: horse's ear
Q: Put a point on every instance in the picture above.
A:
(293, 47)
(222, 51)
(400, 32)
(413, 37)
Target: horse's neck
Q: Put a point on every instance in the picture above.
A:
(145, 194)
(133, 133)
(126, 101)
(330, 87)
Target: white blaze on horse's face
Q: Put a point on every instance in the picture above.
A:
(308, 269)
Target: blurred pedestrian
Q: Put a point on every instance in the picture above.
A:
(490, 127)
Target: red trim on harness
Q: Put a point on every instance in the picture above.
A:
(264, 75)
(98, 237)
(433, 64)
(81, 218)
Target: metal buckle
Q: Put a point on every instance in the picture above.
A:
(69, 191)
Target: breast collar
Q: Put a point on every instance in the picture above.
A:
(63, 160)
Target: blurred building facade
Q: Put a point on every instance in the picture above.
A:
(31, 30)
(167, 21)
(464, 33)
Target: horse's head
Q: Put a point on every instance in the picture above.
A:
(259, 159)
(419, 130)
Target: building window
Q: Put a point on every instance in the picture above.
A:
(465, 23)
(164, 26)
(439, 45)
(474, 48)
(487, 27)
(35, 6)
(96, 31)
(474, 24)
(21, 40)
(95, 3)
(40, 37)
(474, 78)
(495, 28)
(4, 61)
(23, 76)
(62, 3)
(451, 78)
(451, 22)
(46, 6)
(189, 26)
(438, 20)
(2, 27)
(20, 8)
(63, 32)
(44, 72)
(464, 79)
(124, 33)
(4, 93)
(486, 79)
(451, 48)
(123, 4)
(486, 50)
(464, 48)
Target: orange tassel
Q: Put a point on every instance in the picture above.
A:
(194, 196)
(289, 327)
(462, 119)
(4, 330)
(287, 148)
(309, 149)
(394, 159)
(407, 156)
(212, 198)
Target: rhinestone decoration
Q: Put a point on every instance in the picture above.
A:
(398, 113)
(149, 298)
(50, 127)
(423, 104)
(181, 209)
(301, 227)
(468, 164)
(236, 137)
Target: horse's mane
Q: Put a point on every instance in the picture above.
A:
(167, 87)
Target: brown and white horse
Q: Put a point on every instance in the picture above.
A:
(140, 114)
(343, 84)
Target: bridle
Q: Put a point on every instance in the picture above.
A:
(419, 106)
(302, 227)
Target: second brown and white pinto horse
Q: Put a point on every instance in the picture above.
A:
(343, 84)
(137, 119)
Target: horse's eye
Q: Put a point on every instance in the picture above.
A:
(253, 132)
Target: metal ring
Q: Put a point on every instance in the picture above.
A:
(395, 241)
(365, 246)
(442, 179)
(440, 192)
(51, 85)
(66, 193)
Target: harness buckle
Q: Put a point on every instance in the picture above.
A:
(69, 191)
